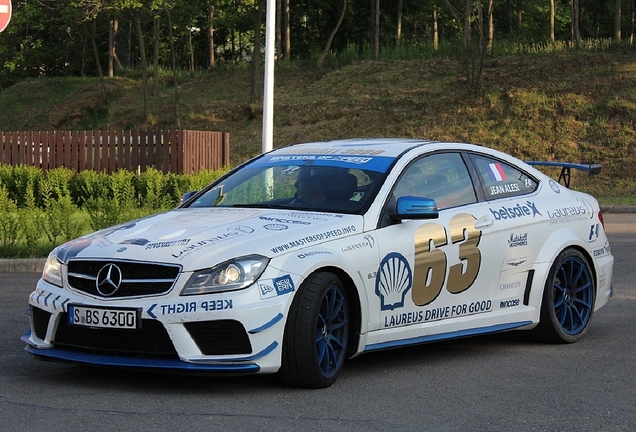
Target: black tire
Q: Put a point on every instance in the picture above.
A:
(316, 333)
(568, 299)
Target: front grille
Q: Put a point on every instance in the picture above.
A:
(151, 340)
(222, 337)
(137, 278)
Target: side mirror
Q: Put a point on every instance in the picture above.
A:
(414, 207)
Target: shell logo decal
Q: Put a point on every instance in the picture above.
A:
(393, 281)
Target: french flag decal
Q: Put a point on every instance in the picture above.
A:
(496, 172)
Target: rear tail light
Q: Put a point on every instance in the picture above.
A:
(600, 217)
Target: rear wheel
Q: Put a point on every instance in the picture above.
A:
(568, 299)
(316, 333)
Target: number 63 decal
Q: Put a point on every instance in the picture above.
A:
(431, 263)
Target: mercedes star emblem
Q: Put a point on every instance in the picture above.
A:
(108, 280)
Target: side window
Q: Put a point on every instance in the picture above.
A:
(442, 177)
(500, 180)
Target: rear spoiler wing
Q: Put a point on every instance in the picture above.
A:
(566, 167)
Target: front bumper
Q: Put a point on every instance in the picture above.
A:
(239, 332)
(79, 357)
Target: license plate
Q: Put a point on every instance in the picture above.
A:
(110, 318)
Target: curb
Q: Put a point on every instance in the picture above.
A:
(618, 209)
(28, 265)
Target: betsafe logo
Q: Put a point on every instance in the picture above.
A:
(518, 211)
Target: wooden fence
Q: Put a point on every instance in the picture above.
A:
(176, 151)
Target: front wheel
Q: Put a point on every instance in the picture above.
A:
(316, 333)
(568, 299)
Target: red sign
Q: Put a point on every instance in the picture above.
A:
(5, 14)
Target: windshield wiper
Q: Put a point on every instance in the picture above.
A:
(262, 205)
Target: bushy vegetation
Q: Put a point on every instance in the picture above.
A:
(40, 210)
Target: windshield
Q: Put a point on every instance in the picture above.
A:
(307, 182)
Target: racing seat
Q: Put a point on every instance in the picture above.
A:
(341, 186)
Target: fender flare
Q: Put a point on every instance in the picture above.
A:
(324, 259)
(557, 242)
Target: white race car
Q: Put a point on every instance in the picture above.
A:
(318, 252)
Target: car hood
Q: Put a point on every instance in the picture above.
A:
(199, 238)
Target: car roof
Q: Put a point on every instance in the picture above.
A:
(356, 146)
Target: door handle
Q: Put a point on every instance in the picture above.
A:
(484, 222)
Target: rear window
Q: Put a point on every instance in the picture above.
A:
(500, 180)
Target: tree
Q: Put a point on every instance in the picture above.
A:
(113, 30)
(398, 36)
(376, 29)
(617, 20)
(212, 59)
(632, 22)
(92, 37)
(519, 19)
(279, 30)
(87, 11)
(135, 14)
(491, 25)
(321, 59)
(435, 29)
(552, 13)
(257, 14)
(576, 32)
(174, 71)
(79, 37)
(473, 53)
(286, 33)
(155, 56)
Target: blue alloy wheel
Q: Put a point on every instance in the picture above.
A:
(331, 331)
(573, 295)
(316, 333)
(568, 299)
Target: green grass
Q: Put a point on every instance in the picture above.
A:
(538, 102)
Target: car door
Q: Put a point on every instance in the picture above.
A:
(512, 202)
(435, 273)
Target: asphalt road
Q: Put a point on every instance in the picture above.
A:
(504, 382)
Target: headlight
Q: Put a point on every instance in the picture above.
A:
(231, 275)
(52, 272)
